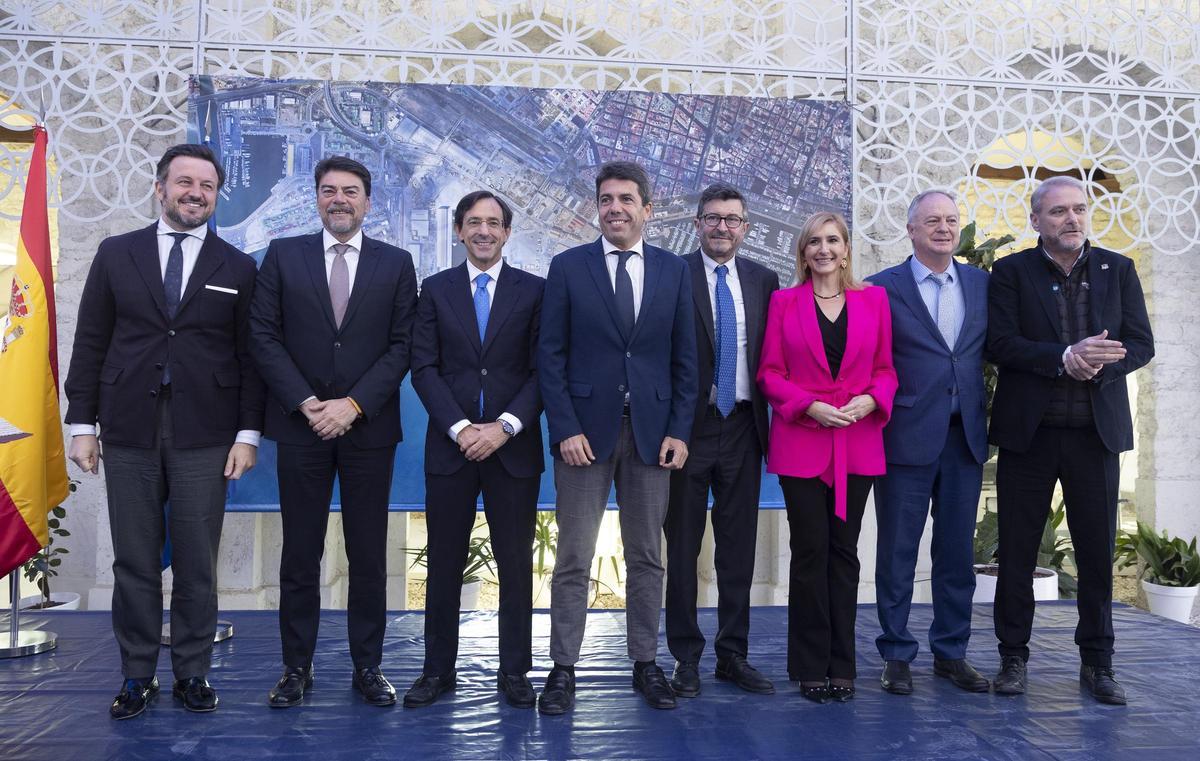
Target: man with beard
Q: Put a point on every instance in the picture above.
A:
(331, 327)
(728, 439)
(162, 362)
(473, 366)
(617, 367)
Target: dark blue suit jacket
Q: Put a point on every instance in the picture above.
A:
(928, 369)
(1025, 344)
(584, 359)
(450, 366)
(301, 352)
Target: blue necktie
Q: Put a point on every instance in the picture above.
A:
(726, 345)
(948, 317)
(482, 307)
(172, 288)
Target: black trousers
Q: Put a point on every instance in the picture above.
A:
(726, 456)
(823, 579)
(510, 505)
(1090, 476)
(306, 476)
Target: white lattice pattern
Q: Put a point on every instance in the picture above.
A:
(976, 96)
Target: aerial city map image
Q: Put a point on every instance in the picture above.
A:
(429, 145)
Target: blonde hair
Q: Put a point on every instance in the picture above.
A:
(808, 230)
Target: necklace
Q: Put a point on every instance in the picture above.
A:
(827, 298)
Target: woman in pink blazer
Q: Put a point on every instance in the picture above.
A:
(826, 370)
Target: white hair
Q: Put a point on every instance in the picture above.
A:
(919, 197)
(1035, 201)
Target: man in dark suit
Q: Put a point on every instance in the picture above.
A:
(1066, 323)
(331, 326)
(725, 452)
(617, 367)
(162, 363)
(936, 444)
(473, 365)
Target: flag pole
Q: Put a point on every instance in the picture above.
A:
(23, 643)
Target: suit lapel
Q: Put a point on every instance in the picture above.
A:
(906, 288)
(700, 297)
(1098, 283)
(144, 253)
(856, 304)
(753, 305)
(1043, 286)
(507, 296)
(314, 259)
(806, 313)
(595, 261)
(971, 294)
(208, 262)
(364, 275)
(463, 304)
(651, 269)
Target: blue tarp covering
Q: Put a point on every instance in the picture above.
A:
(55, 706)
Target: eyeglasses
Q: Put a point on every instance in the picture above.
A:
(732, 221)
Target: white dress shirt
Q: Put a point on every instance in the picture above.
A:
(351, 254)
(494, 273)
(191, 246)
(742, 384)
(634, 265)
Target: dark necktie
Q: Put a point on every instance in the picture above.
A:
(624, 294)
(726, 344)
(173, 289)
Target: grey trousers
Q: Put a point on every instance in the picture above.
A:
(139, 482)
(642, 492)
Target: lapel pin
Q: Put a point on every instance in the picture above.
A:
(1103, 266)
(1054, 287)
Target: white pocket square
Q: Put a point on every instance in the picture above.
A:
(221, 289)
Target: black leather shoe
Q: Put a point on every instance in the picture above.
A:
(817, 693)
(427, 689)
(374, 686)
(737, 670)
(196, 694)
(685, 682)
(841, 693)
(896, 678)
(962, 674)
(1011, 679)
(289, 690)
(652, 683)
(518, 692)
(133, 697)
(1100, 681)
(558, 696)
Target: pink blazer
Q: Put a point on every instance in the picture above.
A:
(793, 373)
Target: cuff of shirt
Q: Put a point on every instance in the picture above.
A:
(513, 421)
(457, 429)
(82, 429)
(306, 400)
(248, 437)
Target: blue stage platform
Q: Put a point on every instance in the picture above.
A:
(55, 706)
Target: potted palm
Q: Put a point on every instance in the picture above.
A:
(479, 561)
(1051, 581)
(43, 566)
(1170, 570)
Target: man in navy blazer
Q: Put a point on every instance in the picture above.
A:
(331, 325)
(617, 367)
(474, 367)
(936, 444)
(1067, 323)
(162, 363)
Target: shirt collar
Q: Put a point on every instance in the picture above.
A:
(329, 241)
(610, 247)
(710, 264)
(493, 272)
(196, 232)
(920, 271)
(1083, 252)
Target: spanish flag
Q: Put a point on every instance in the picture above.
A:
(33, 471)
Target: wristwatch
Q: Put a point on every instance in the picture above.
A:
(508, 428)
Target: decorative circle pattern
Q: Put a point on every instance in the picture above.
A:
(976, 96)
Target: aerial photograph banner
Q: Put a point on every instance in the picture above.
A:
(429, 145)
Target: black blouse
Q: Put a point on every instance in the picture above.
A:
(833, 335)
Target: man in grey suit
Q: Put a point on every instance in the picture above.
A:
(729, 436)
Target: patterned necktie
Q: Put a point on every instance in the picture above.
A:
(173, 289)
(947, 308)
(726, 344)
(482, 308)
(339, 282)
(625, 294)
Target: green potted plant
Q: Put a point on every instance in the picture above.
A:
(480, 564)
(1170, 570)
(43, 566)
(1051, 581)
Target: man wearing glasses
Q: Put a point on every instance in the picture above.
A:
(729, 436)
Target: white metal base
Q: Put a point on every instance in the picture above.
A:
(28, 643)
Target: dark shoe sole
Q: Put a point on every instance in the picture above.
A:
(681, 692)
(985, 686)
(1108, 700)
(422, 703)
(380, 703)
(195, 709)
(748, 688)
(1010, 691)
(555, 710)
(516, 703)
